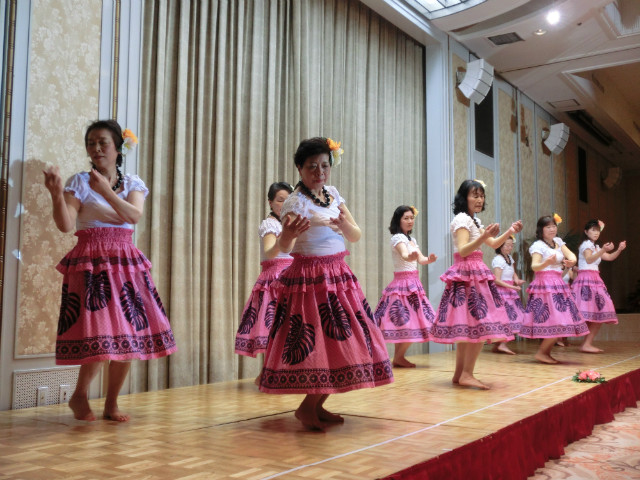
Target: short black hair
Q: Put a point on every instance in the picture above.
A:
(588, 226)
(394, 226)
(310, 148)
(543, 222)
(276, 187)
(460, 204)
(116, 133)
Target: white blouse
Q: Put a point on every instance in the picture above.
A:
(582, 261)
(399, 264)
(270, 225)
(507, 270)
(546, 251)
(95, 211)
(463, 220)
(322, 237)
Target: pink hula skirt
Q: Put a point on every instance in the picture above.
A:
(551, 311)
(471, 309)
(513, 305)
(110, 307)
(257, 316)
(404, 312)
(324, 338)
(592, 298)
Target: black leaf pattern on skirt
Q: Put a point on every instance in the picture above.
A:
(458, 295)
(248, 320)
(367, 310)
(414, 301)
(477, 304)
(511, 312)
(585, 293)
(573, 309)
(380, 310)
(520, 305)
(154, 292)
(365, 330)
(278, 320)
(427, 311)
(495, 293)
(599, 302)
(336, 322)
(69, 310)
(97, 290)
(444, 304)
(300, 342)
(539, 309)
(133, 307)
(560, 302)
(398, 313)
(270, 313)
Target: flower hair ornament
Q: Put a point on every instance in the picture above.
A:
(414, 210)
(601, 225)
(557, 218)
(130, 141)
(336, 152)
(484, 185)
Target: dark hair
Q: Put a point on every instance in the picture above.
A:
(116, 133)
(309, 148)
(460, 204)
(276, 187)
(497, 250)
(543, 222)
(394, 226)
(588, 226)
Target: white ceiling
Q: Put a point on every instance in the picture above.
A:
(589, 62)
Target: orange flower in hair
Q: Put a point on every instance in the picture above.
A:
(414, 210)
(130, 141)
(557, 218)
(601, 225)
(336, 152)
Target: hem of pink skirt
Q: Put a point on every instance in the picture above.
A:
(406, 340)
(117, 358)
(326, 390)
(451, 341)
(252, 354)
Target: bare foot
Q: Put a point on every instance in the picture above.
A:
(115, 415)
(471, 381)
(590, 349)
(403, 363)
(309, 420)
(257, 380)
(81, 409)
(502, 348)
(560, 343)
(327, 416)
(545, 358)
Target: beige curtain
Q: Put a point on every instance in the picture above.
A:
(229, 89)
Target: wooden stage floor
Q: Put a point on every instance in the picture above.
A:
(230, 430)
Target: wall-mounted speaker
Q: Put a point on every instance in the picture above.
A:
(476, 81)
(556, 137)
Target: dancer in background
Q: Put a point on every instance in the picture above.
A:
(111, 310)
(590, 292)
(257, 316)
(509, 286)
(471, 310)
(324, 339)
(551, 312)
(404, 313)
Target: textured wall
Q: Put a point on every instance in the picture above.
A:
(527, 173)
(460, 129)
(507, 122)
(63, 98)
(545, 171)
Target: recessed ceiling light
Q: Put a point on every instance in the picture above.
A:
(539, 32)
(553, 17)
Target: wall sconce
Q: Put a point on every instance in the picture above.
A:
(556, 138)
(612, 177)
(476, 81)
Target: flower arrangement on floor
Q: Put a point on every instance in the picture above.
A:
(588, 376)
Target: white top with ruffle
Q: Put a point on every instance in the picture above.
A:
(400, 265)
(507, 270)
(546, 251)
(95, 211)
(270, 225)
(582, 262)
(463, 220)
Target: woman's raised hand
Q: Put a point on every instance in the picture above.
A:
(608, 247)
(53, 181)
(292, 227)
(99, 182)
(491, 230)
(516, 226)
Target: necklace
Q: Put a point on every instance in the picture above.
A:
(551, 245)
(304, 189)
(507, 258)
(118, 182)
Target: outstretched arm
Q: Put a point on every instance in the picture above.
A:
(612, 256)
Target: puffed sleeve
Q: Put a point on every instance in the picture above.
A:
(295, 203)
(135, 183)
(333, 191)
(538, 247)
(269, 225)
(499, 262)
(559, 241)
(398, 238)
(461, 220)
(78, 184)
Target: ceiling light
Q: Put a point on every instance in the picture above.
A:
(553, 17)
(539, 32)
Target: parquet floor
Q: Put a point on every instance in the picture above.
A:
(230, 430)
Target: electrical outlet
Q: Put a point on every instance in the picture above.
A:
(65, 393)
(43, 392)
